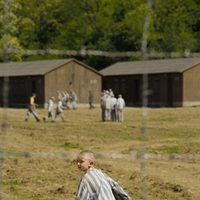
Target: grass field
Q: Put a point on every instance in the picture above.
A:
(37, 159)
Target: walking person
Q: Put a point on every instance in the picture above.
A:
(120, 108)
(90, 100)
(95, 184)
(65, 100)
(59, 110)
(32, 109)
(73, 98)
(51, 109)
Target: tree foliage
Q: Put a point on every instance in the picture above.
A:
(173, 23)
(8, 25)
(109, 25)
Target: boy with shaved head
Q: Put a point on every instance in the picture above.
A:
(96, 185)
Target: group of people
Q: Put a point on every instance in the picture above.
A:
(69, 100)
(112, 107)
(55, 108)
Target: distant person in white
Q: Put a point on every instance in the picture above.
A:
(108, 106)
(96, 185)
(51, 109)
(120, 108)
(59, 110)
(73, 98)
(65, 99)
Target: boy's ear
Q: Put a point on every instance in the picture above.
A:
(91, 162)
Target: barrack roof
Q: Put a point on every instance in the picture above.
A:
(177, 65)
(35, 67)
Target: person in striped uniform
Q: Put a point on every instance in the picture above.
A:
(95, 184)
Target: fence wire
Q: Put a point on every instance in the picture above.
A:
(143, 171)
(112, 54)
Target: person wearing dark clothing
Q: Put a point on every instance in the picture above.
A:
(32, 109)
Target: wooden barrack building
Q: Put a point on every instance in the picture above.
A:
(45, 78)
(171, 82)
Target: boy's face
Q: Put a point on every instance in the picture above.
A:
(84, 163)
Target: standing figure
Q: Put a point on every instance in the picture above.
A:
(120, 108)
(111, 92)
(73, 98)
(103, 106)
(65, 100)
(32, 109)
(59, 95)
(51, 109)
(59, 110)
(108, 106)
(95, 184)
(113, 108)
(90, 100)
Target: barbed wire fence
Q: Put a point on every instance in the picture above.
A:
(144, 101)
(142, 155)
(4, 123)
(112, 54)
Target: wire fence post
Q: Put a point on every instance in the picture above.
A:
(5, 52)
(144, 102)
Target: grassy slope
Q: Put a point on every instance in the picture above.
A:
(37, 167)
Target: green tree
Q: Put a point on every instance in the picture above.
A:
(173, 22)
(109, 25)
(72, 29)
(38, 24)
(9, 42)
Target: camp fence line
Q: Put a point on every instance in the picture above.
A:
(85, 52)
(132, 155)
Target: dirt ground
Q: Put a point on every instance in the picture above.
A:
(38, 159)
